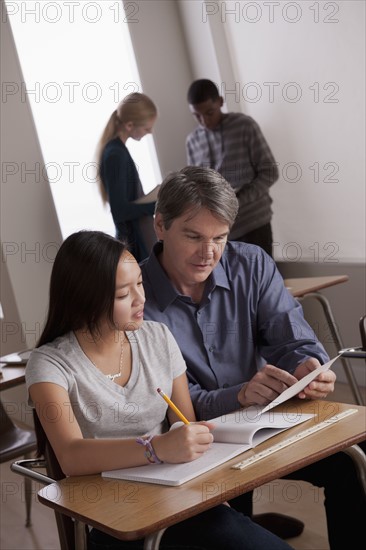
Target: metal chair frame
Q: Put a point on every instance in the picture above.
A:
(344, 352)
(72, 532)
(358, 352)
(17, 439)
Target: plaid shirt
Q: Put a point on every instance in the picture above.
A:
(237, 149)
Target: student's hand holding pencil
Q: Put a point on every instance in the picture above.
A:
(184, 444)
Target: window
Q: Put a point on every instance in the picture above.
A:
(78, 64)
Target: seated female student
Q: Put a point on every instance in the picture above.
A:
(99, 364)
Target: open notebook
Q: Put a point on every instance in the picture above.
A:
(234, 434)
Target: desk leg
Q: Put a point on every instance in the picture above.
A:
(338, 341)
(80, 535)
(359, 459)
(152, 542)
(28, 495)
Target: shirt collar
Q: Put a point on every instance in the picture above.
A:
(219, 277)
(167, 292)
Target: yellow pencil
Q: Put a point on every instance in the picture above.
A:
(172, 406)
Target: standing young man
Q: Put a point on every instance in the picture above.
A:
(243, 336)
(233, 145)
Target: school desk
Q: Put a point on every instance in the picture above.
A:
(305, 288)
(132, 510)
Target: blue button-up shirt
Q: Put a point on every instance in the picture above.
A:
(246, 318)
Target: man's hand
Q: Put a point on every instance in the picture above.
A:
(321, 386)
(265, 386)
(271, 381)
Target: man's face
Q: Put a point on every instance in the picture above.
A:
(208, 113)
(193, 245)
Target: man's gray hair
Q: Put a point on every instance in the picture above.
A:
(192, 189)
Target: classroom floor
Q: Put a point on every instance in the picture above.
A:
(297, 499)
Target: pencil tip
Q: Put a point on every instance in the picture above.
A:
(158, 390)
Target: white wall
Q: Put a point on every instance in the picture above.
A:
(299, 69)
(165, 73)
(30, 233)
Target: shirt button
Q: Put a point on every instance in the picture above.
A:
(225, 386)
(211, 348)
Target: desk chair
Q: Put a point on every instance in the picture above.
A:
(355, 452)
(324, 302)
(358, 352)
(72, 533)
(362, 327)
(17, 439)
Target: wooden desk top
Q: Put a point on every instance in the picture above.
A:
(131, 510)
(304, 285)
(12, 376)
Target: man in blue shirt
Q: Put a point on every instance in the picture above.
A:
(242, 334)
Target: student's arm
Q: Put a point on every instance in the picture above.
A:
(121, 180)
(261, 158)
(197, 150)
(189, 151)
(79, 456)
(76, 455)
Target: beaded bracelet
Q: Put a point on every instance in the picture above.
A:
(149, 451)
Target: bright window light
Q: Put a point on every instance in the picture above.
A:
(78, 64)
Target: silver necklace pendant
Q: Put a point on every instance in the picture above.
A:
(114, 376)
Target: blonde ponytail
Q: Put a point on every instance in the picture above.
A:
(136, 108)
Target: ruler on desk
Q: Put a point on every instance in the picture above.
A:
(263, 454)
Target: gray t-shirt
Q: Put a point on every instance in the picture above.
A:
(102, 408)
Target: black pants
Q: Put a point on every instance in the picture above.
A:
(220, 528)
(345, 502)
(262, 236)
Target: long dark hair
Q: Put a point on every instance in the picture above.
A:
(82, 291)
(82, 284)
